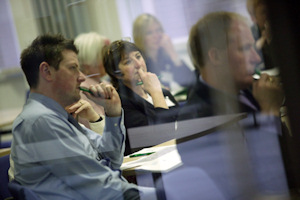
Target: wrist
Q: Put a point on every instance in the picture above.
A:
(97, 118)
(116, 113)
(155, 91)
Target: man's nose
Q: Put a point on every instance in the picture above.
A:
(81, 77)
(255, 58)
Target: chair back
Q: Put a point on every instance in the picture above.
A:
(4, 166)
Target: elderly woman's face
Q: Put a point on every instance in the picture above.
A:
(153, 36)
(129, 67)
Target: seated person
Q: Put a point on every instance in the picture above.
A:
(143, 99)
(160, 54)
(83, 109)
(55, 157)
(226, 60)
(258, 11)
(90, 47)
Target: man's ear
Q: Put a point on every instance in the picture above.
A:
(46, 71)
(214, 55)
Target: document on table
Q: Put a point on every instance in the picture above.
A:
(163, 159)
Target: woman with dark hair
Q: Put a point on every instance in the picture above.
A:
(143, 99)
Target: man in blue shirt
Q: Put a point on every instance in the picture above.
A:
(52, 155)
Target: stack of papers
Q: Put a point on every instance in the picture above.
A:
(163, 160)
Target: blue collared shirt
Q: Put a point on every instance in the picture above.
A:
(57, 161)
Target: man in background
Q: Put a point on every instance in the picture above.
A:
(258, 12)
(244, 159)
(222, 49)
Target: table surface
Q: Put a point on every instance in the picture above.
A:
(131, 171)
(4, 151)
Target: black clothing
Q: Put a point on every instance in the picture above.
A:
(139, 112)
(204, 101)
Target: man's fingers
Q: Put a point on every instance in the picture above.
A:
(97, 100)
(264, 77)
(81, 108)
(102, 90)
(97, 91)
(110, 91)
(72, 108)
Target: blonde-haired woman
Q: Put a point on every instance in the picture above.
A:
(161, 57)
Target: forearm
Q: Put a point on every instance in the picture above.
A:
(159, 100)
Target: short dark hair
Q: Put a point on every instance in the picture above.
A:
(45, 48)
(112, 56)
(210, 31)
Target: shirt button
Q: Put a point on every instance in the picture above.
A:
(115, 124)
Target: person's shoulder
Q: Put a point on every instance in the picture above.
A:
(33, 112)
(194, 109)
(198, 91)
(38, 123)
(197, 104)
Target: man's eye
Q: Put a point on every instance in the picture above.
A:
(73, 68)
(245, 48)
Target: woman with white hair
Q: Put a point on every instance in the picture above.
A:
(90, 47)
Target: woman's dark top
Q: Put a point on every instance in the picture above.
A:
(139, 112)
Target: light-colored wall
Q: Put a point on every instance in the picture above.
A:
(13, 86)
(24, 20)
(13, 90)
(104, 19)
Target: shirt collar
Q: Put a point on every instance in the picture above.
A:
(48, 102)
